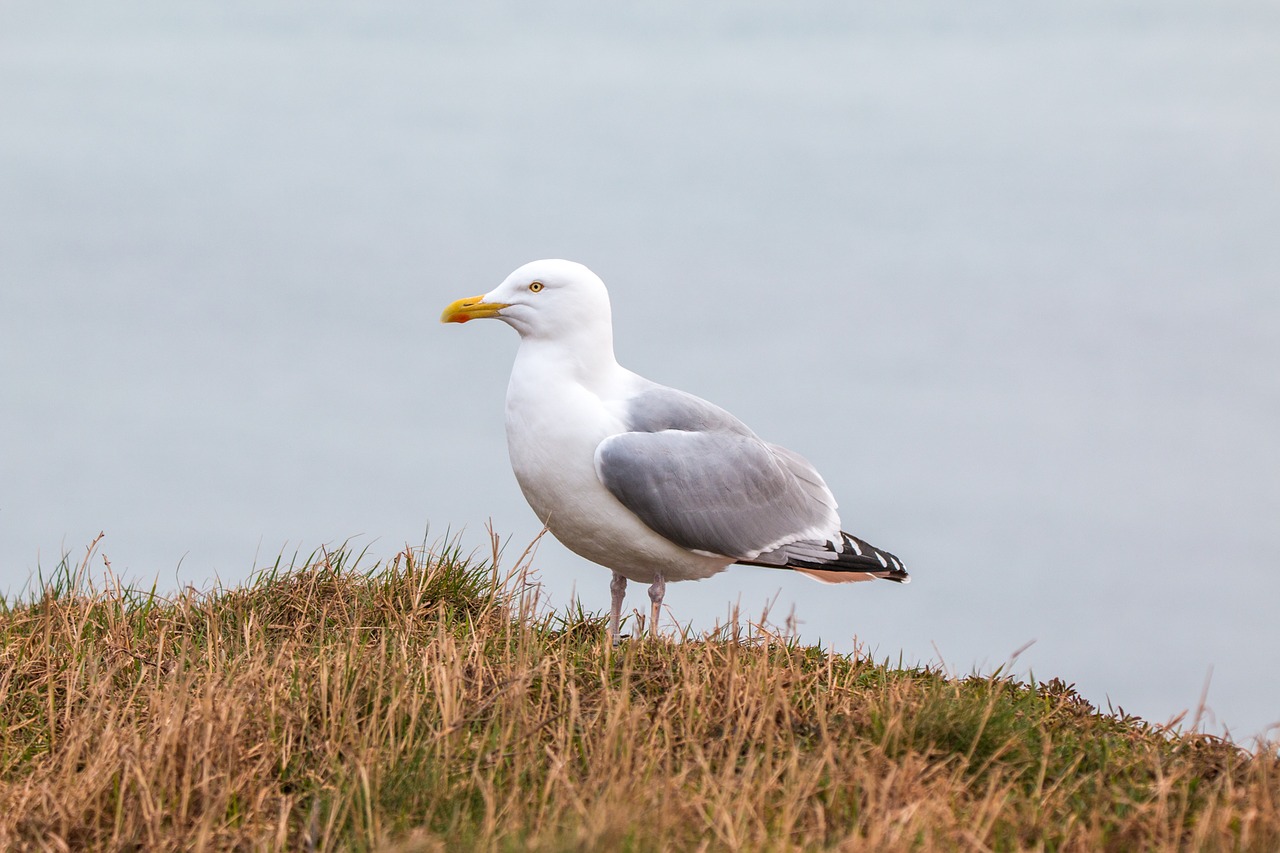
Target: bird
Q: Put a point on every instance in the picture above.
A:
(653, 483)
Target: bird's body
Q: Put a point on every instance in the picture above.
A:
(648, 481)
(554, 427)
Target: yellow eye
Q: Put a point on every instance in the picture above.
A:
(536, 286)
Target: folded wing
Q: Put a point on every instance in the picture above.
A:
(697, 476)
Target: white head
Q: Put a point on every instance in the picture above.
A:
(550, 300)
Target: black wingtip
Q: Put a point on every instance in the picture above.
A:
(891, 568)
(856, 557)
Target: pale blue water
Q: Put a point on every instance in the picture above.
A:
(1008, 276)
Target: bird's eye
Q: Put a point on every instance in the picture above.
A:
(535, 286)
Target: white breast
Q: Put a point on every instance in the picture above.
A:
(554, 424)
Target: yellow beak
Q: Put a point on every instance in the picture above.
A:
(471, 308)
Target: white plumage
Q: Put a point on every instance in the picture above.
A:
(648, 481)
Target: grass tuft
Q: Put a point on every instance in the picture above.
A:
(426, 704)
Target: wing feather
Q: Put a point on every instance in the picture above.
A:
(697, 476)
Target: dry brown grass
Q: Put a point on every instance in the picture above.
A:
(423, 706)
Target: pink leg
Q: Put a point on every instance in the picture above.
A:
(617, 589)
(656, 591)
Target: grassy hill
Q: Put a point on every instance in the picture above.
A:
(422, 705)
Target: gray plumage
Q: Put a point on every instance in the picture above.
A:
(685, 467)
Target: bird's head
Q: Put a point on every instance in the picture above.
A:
(542, 299)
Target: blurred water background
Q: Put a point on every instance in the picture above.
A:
(1008, 274)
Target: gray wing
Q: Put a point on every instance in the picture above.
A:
(697, 476)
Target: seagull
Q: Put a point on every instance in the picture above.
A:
(653, 483)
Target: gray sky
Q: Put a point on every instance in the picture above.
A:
(1007, 275)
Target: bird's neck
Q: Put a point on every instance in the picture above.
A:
(585, 358)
